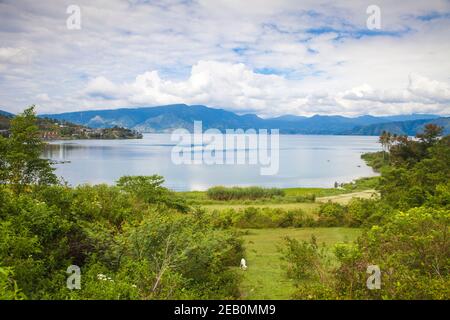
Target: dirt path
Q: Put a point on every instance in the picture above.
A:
(345, 198)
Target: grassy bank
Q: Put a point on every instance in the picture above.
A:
(289, 197)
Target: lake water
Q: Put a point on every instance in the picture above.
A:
(304, 161)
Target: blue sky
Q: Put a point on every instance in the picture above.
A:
(267, 57)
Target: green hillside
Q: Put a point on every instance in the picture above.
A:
(52, 129)
(410, 128)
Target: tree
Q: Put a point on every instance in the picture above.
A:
(383, 140)
(149, 190)
(386, 139)
(21, 164)
(430, 134)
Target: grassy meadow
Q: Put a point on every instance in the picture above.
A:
(266, 276)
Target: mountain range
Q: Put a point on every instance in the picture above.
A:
(409, 128)
(5, 117)
(52, 129)
(167, 118)
(6, 114)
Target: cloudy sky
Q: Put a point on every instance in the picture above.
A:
(268, 57)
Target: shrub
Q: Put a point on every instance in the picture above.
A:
(150, 250)
(332, 214)
(366, 212)
(411, 249)
(9, 290)
(257, 218)
(305, 260)
(306, 198)
(239, 193)
(149, 189)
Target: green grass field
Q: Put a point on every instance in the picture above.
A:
(292, 196)
(307, 207)
(265, 277)
(319, 192)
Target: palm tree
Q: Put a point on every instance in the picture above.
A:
(384, 140)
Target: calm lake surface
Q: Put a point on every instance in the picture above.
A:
(304, 161)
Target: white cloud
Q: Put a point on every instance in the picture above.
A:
(101, 87)
(14, 55)
(433, 90)
(239, 88)
(43, 97)
(268, 57)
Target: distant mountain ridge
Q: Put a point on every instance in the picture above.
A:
(52, 129)
(5, 118)
(6, 114)
(409, 128)
(161, 119)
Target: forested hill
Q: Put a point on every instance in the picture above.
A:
(410, 128)
(6, 114)
(170, 117)
(5, 117)
(52, 129)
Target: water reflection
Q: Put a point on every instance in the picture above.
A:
(308, 161)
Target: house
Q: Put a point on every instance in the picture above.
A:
(4, 133)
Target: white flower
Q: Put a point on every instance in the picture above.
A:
(101, 276)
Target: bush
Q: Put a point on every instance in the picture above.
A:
(366, 212)
(411, 250)
(238, 193)
(332, 214)
(149, 190)
(258, 218)
(136, 237)
(306, 198)
(305, 260)
(9, 289)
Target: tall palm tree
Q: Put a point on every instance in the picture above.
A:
(384, 140)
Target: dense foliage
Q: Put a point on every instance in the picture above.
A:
(259, 218)
(239, 193)
(20, 162)
(407, 233)
(149, 250)
(135, 240)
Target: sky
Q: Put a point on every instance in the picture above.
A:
(268, 57)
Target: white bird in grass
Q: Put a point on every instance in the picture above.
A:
(243, 264)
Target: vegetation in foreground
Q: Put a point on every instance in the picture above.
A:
(266, 276)
(257, 196)
(406, 231)
(135, 240)
(139, 240)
